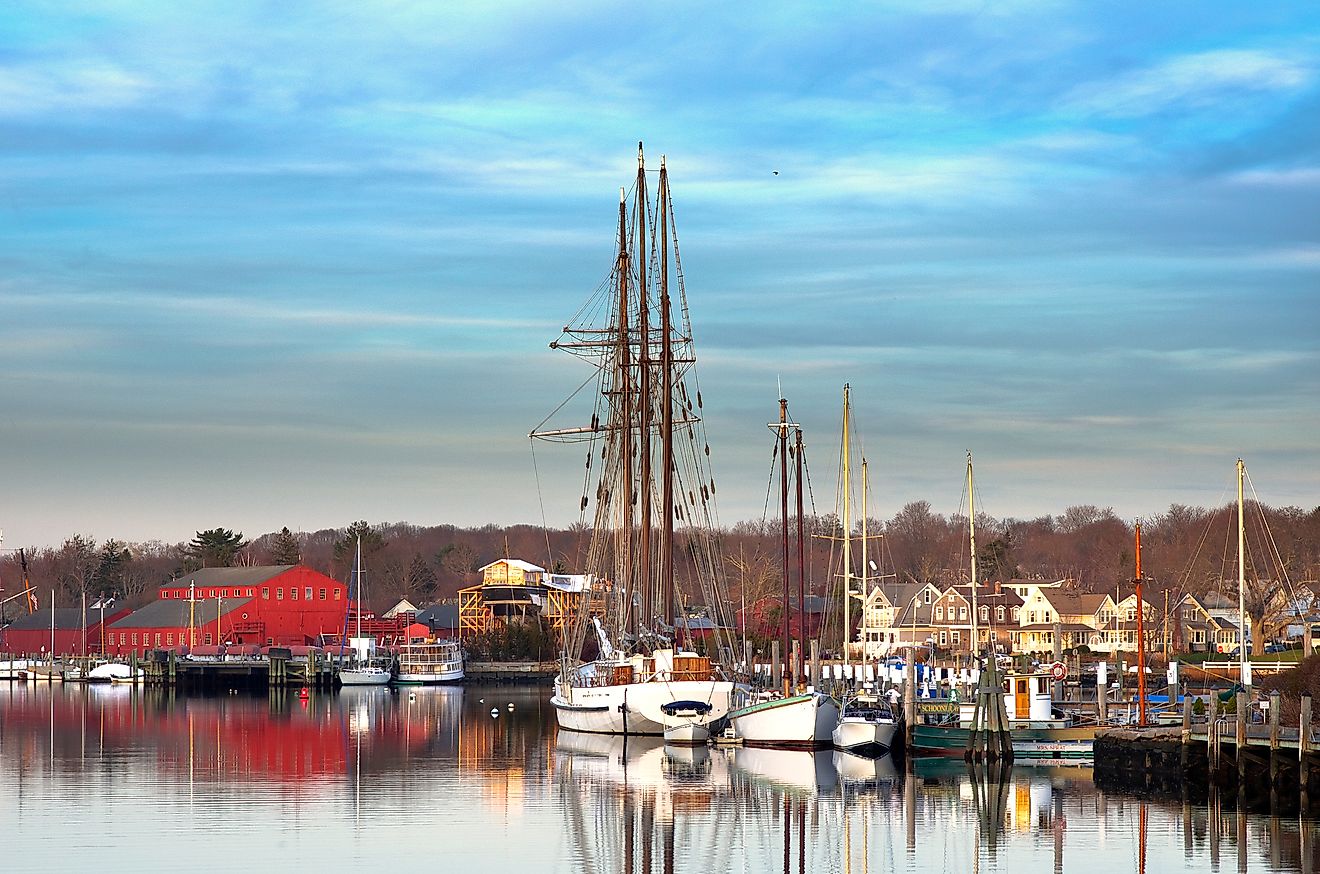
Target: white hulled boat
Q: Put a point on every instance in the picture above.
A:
(866, 725)
(363, 671)
(647, 439)
(430, 663)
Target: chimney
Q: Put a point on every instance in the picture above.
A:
(999, 588)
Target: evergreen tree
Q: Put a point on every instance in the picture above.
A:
(284, 548)
(216, 547)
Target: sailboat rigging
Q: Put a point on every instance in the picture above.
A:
(646, 394)
(362, 672)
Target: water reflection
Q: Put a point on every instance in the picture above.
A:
(370, 776)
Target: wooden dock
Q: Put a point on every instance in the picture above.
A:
(1265, 766)
(501, 673)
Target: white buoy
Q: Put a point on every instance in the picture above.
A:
(481, 701)
(510, 706)
(494, 712)
(412, 696)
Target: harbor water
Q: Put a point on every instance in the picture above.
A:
(116, 778)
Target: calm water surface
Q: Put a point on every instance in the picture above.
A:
(120, 779)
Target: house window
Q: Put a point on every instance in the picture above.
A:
(135, 638)
(307, 593)
(1031, 618)
(265, 594)
(985, 614)
(939, 613)
(123, 638)
(928, 596)
(293, 593)
(165, 594)
(962, 612)
(1131, 614)
(1015, 614)
(1198, 637)
(157, 638)
(169, 639)
(957, 637)
(279, 594)
(338, 592)
(999, 613)
(206, 639)
(322, 594)
(249, 593)
(944, 638)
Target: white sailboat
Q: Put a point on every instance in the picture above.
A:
(866, 723)
(633, 604)
(781, 718)
(362, 672)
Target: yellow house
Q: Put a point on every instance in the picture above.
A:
(512, 589)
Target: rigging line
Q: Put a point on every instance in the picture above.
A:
(564, 403)
(540, 497)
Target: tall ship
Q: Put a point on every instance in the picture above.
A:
(631, 663)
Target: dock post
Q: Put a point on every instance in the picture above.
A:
(1212, 735)
(1304, 752)
(910, 695)
(1186, 735)
(1102, 693)
(815, 663)
(1240, 739)
(794, 649)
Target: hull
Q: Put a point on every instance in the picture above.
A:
(364, 677)
(860, 734)
(430, 664)
(688, 734)
(429, 679)
(1028, 743)
(803, 721)
(634, 708)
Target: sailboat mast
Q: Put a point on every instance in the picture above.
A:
(357, 572)
(1141, 641)
(847, 524)
(667, 401)
(1244, 666)
(783, 515)
(801, 567)
(865, 566)
(971, 533)
(644, 401)
(624, 390)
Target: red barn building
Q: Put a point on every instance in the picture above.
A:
(280, 605)
(75, 632)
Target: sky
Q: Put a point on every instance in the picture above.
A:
(268, 264)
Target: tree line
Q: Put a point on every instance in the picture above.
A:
(1185, 549)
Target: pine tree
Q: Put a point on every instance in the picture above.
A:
(284, 548)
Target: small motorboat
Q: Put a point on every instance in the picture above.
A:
(686, 722)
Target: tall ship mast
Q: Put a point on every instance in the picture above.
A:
(647, 479)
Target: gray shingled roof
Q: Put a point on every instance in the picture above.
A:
(232, 576)
(439, 616)
(174, 613)
(65, 618)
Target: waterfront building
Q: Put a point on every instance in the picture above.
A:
(279, 605)
(896, 617)
(1207, 623)
(73, 631)
(516, 590)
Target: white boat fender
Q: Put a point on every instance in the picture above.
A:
(510, 706)
(494, 713)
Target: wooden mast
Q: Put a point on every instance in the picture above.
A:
(666, 401)
(783, 515)
(625, 422)
(971, 529)
(1141, 641)
(847, 526)
(801, 666)
(644, 403)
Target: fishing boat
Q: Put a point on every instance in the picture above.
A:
(647, 436)
(1036, 728)
(792, 716)
(430, 663)
(867, 725)
(687, 723)
(362, 671)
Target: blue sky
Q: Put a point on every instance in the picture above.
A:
(268, 267)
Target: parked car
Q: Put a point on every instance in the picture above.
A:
(1276, 647)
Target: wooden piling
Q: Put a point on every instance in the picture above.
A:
(1185, 737)
(1304, 752)
(1240, 739)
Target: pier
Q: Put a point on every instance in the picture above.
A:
(1266, 766)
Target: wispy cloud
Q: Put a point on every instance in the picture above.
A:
(1202, 80)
